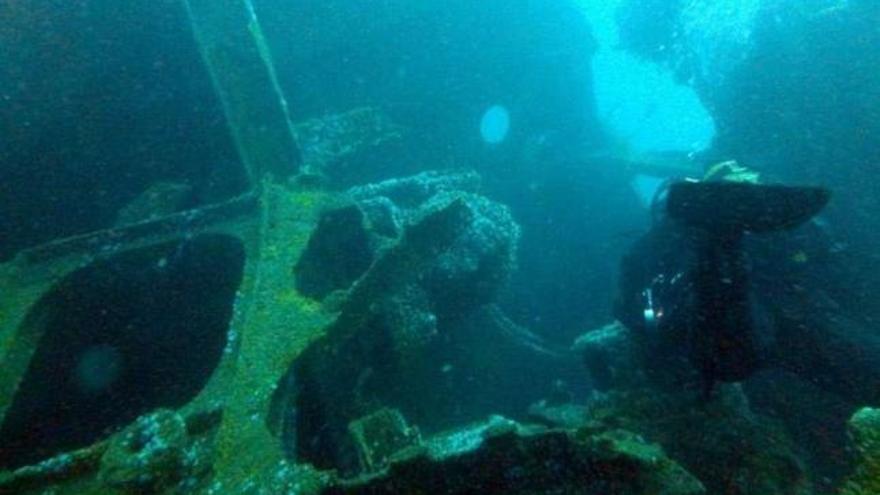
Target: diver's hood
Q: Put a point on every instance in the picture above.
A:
(740, 207)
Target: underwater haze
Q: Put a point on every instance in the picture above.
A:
(319, 247)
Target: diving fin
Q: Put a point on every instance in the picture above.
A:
(722, 338)
(744, 207)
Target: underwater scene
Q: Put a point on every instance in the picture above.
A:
(518, 247)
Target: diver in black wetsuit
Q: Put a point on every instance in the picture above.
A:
(724, 285)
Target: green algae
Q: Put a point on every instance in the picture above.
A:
(275, 327)
(865, 432)
(272, 323)
(502, 456)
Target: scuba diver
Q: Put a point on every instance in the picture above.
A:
(735, 277)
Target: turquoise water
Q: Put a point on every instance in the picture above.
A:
(388, 246)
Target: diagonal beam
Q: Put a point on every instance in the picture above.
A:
(240, 64)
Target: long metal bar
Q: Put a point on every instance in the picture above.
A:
(240, 64)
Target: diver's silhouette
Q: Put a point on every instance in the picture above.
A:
(721, 336)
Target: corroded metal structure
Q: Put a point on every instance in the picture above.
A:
(270, 322)
(230, 433)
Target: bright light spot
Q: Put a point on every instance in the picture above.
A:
(495, 124)
(638, 102)
(642, 104)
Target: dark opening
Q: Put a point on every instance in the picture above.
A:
(121, 337)
(103, 100)
(310, 425)
(338, 253)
